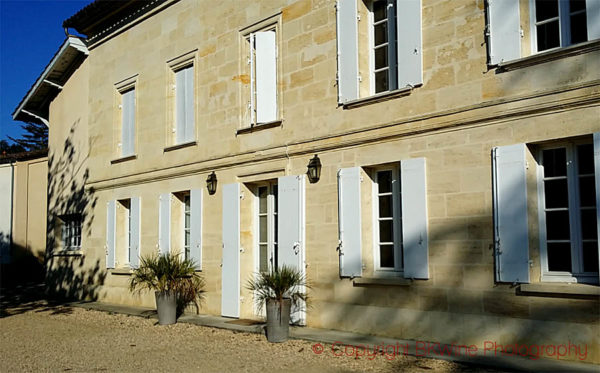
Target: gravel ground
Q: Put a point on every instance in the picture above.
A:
(37, 336)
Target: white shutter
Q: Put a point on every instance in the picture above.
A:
(413, 186)
(196, 227)
(189, 105)
(111, 233)
(266, 77)
(127, 123)
(164, 223)
(347, 50)
(180, 94)
(410, 50)
(290, 231)
(593, 19)
(230, 276)
(349, 221)
(504, 29)
(135, 224)
(511, 237)
(597, 172)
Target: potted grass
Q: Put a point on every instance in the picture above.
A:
(278, 289)
(174, 281)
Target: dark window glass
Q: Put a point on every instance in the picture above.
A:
(264, 259)
(262, 197)
(381, 57)
(578, 28)
(559, 256)
(557, 194)
(548, 36)
(590, 257)
(585, 159)
(385, 207)
(589, 228)
(557, 225)
(555, 162)
(576, 5)
(379, 11)
(386, 256)
(262, 222)
(386, 231)
(381, 33)
(546, 9)
(587, 191)
(381, 81)
(384, 181)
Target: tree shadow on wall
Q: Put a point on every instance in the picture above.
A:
(68, 274)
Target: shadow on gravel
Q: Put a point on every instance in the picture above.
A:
(31, 297)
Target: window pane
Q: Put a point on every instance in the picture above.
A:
(557, 225)
(585, 159)
(576, 5)
(187, 238)
(555, 162)
(559, 256)
(263, 228)
(381, 57)
(557, 194)
(275, 197)
(386, 231)
(589, 229)
(262, 198)
(381, 33)
(548, 36)
(590, 257)
(384, 181)
(379, 10)
(264, 259)
(381, 81)
(587, 191)
(386, 256)
(545, 9)
(187, 220)
(578, 28)
(385, 207)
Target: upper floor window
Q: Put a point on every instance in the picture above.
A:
(379, 47)
(184, 105)
(71, 231)
(559, 23)
(128, 123)
(262, 62)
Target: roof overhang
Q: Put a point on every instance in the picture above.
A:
(35, 106)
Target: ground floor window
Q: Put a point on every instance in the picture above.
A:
(570, 240)
(387, 219)
(186, 225)
(267, 226)
(71, 231)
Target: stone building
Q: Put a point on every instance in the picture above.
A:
(458, 194)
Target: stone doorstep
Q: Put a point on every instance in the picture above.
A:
(343, 339)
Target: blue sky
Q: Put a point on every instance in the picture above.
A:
(30, 34)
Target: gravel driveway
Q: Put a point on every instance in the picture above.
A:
(36, 336)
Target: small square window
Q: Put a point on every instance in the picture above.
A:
(71, 231)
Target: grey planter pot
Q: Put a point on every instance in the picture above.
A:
(166, 307)
(278, 320)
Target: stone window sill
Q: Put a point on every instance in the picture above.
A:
(579, 291)
(124, 271)
(380, 97)
(548, 56)
(64, 252)
(373, 281)
(123, 159)
(259, 127)
(179, 146)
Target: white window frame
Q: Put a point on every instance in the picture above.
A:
(397, 222)
(564, 25)
(574, 217)
(392, 70)
(271, 225)
(179, 126)
(126, 239)
(122, 87)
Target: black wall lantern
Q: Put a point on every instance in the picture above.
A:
(314, 169)
(211, 183)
